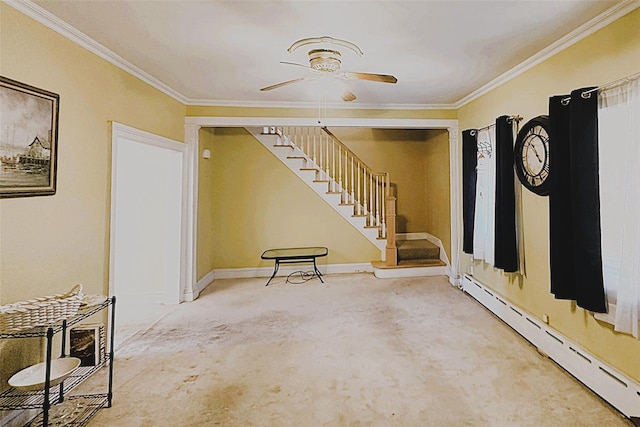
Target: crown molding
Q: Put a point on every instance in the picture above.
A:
(316, 105)
(54, 23)
(583, 31)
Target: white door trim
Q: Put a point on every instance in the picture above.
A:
(119, 130)
(193, 124)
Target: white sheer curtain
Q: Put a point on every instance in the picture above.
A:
(485, 210)
(619, 158)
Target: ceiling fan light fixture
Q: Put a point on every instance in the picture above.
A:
(324, 64)
(325, 60)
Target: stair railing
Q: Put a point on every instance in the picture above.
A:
(345, 173)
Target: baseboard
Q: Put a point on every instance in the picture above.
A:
(199, 287)
(620, 391)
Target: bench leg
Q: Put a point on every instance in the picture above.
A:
(315, 268)
(275, 270)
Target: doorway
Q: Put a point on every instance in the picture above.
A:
(147, 221)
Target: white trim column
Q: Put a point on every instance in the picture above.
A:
(455, 201)
(191, 137)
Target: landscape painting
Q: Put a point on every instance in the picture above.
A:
(28, 140)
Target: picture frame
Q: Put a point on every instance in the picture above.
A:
(28, 140)
(87, 343)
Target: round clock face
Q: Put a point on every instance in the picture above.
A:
(532, 155)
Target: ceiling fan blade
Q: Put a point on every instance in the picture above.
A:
(299, 65)
(348, 96)
(382, 78)
(288, 82)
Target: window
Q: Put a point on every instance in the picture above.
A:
(619, 162)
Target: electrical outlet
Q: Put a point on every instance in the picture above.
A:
(471, 270)
(545, 318)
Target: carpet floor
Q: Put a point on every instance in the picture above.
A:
(354, 351)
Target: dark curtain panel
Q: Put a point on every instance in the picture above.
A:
(574, 201)
(469, 163)
(563, 284)
(506, 246)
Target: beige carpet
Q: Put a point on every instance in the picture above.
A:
(354, 351)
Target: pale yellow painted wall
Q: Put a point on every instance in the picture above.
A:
(204, 111)
(49, 243)
(609, 54)
(438, 193)
(260, 204)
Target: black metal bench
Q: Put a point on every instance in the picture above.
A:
(294, 256)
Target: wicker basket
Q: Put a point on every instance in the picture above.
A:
(40, 311)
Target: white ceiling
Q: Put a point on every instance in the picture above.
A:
(223, 52)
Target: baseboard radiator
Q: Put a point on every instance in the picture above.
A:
(617, 389)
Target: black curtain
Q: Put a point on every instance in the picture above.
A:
(506, 243)
(574, 200)
(469, 163)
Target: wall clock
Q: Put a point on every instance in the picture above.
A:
(531, 155)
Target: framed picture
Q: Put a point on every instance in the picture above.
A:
(28, 140)
(87, 343)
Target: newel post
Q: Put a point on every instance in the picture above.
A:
(390, 217)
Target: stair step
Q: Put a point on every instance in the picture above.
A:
(419, 249)
(281, 145)
(309, 169)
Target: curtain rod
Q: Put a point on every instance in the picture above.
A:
(587, 93)
(510, 119)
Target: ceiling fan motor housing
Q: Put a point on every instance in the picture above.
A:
(324, 60)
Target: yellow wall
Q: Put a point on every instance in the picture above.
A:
(610, 54)
(259, 204)
(197, 111)
(49, 243)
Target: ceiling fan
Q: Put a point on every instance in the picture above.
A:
(325, 63)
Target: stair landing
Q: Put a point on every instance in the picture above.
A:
(416, 258)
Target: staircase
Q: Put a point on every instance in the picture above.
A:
(359, 194)
(335, 173)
